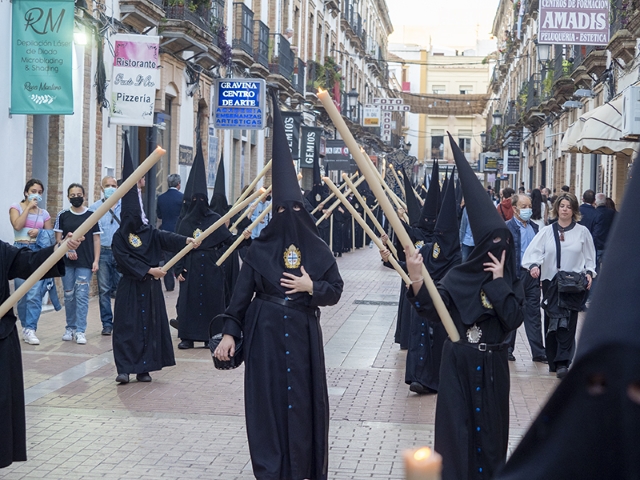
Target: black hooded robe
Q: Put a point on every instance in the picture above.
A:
(141, 336)
(16, 263)
(472, 410)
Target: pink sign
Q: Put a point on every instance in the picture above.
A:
(574, 22)
(136, 54)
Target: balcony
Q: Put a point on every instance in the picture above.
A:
(142, 14)
(189, 26)
(281, 65)
(242, 44)
(623, 43)
(261, 49)
(512, 115)
(579, 74)
(299, 77)
(595, 62)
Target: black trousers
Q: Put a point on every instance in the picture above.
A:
(561, 344)
(169, 278)
(532, 316)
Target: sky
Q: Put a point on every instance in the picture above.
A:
(449, 23)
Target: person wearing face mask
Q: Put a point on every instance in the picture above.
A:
(79, 264)
(485, 299)
(27, 220)
(523, 230)
(108, 275)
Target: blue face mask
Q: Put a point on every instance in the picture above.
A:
(108, 192)
(35, 196)
(525, 214)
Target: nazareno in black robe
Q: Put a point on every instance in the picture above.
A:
(202, 294)
(15, 263)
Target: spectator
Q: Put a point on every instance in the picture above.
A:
(611, 204)
(79, 264)
(565, 188)
(538, 208)
(466, 237)
(523, 231)
(587, 210)
(27, 220)
(521, 191)
(505, 208)
(168, 210)
(601, 226)
(260, 207)
(108, 275)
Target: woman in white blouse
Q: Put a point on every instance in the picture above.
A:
(577, 254)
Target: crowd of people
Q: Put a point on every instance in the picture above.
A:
(495, 264)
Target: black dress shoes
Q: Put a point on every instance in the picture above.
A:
(561, 372)
(417, 387)
(143, 377)
(511, 357)
(122, 378)
(174, 323)
(185, 344)
(541, 359)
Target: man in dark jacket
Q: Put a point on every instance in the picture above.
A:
(587, 210)
(601, 226)
(523, 232)
(168, 210)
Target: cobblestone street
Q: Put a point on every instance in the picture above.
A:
(189, 422)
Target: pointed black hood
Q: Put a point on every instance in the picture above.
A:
(465, 282)
(200, 216)
(432, 203)
(590, 427)
(413, 206)
(291, 238)
(219, 202)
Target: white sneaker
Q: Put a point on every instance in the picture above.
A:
(68, 335)
(80, 338)
(30, 337)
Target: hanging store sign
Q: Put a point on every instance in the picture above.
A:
(310, 146)
(292, 122)
(134, 79)
(512, 154)
(371, 116)
(574, 22)
(338, 156)
(41, 56)
(239, 103)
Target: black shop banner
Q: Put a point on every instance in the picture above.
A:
(310, 146)
(338, 156)
(292, 122)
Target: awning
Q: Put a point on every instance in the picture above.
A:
(602, 130)
(571, 136)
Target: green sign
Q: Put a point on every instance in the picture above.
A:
(41, 51)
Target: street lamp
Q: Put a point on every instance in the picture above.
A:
(483, 140)
(352, 99)
(497, 119)
(544, 52)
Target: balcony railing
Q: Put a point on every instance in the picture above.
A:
(282, 60)
(621, 11)
(511, 116)
(208, 17)
(562, 67)
(243, 35)
(312, 75)
(261, 45)
(299, 77)
(533, 91)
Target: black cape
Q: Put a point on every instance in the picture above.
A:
(15, 263)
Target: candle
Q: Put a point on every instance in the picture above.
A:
(422, 464)
(366, 167)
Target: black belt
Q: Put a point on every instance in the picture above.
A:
(287, 303)
(483, 347)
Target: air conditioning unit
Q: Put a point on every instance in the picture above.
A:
(631, 111)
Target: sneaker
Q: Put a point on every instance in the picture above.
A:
(68, 335)
(80, 338)
(30, 337)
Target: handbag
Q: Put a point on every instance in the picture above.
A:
(214, 341)
(568, 282)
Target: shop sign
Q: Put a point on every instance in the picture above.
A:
(574, 22)
(292, 122)
(310, 146)
(239, 103)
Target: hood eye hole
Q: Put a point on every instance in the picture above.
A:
(597, 384)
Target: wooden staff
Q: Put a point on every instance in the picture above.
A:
(353, 233)
(400, 184)
(418, 197)
(62, 250)
(366, 168)
(370, 214)
(253, 184)
(332, 195)
(221, 221)
(241, 238)
(367, 230)
(394, 198)
(266, 192)
(337, 202)
(331, 234)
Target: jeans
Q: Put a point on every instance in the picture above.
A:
(29, 306)
(76, 297)
(49, 285)
(108, 278)
(465, 250)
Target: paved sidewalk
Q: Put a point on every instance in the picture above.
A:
(189, 422)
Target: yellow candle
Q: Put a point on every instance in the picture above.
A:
(367, 169)
(422, 464)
